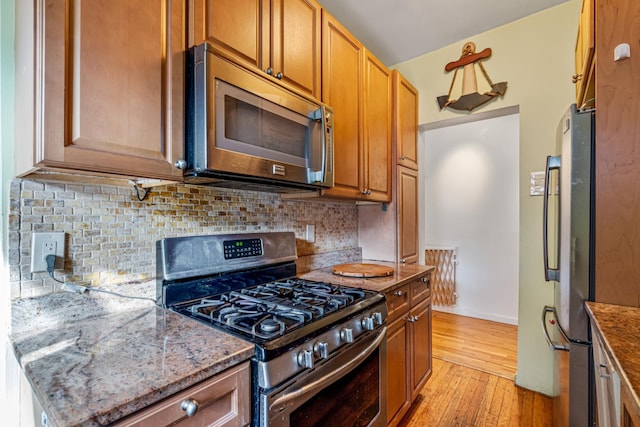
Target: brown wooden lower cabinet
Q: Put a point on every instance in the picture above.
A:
(408, 345)
(221, 401)
(629, 416)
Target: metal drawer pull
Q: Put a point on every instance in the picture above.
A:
(425, 280)
(190, 406)
(398, 293)
(413, 319)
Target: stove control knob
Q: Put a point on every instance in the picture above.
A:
(305, 359)
(321, 349)
(377, 318)
(367, 323)
(346, 335)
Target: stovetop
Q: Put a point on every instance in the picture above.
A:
(276, 313)
(245, 284)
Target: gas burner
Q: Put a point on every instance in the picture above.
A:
(273, 309)
(271, 325)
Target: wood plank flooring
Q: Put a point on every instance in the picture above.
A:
(475, 387)
(491, 347)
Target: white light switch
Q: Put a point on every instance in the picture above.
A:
(537, 184)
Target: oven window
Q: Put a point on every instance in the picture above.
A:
(354, 400)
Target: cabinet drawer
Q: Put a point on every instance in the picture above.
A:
(222, 401)
(420, 289)
(398, 302)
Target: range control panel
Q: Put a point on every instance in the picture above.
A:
(242, 248)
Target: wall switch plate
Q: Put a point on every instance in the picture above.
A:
(311, 233)
(43, 244)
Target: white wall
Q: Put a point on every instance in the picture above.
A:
(9, 370)
(535, 55)
(470, 185)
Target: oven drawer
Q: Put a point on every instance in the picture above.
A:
(420, 289)
(398, 302)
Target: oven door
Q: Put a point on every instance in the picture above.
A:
(346, 389)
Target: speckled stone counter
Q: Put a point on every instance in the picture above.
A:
(403, 274)
(619, 327)
(90, 364)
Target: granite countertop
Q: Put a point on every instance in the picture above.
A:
(403, 274)
(90, 364)
(619, 327)
(93, 359)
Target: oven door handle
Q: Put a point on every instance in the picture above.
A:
(320, 383)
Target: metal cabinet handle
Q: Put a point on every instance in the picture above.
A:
(279, 75)
(576, 77)
(425, 280)
(190, 407)
(269, 71)
(181, 164)
(413, 319)
(402, 157)
(403, 261)
(365, 192)
(398, 293)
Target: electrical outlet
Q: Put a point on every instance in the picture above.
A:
(43, 244)
(311, 233)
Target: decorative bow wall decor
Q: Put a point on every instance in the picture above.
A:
(470, 97)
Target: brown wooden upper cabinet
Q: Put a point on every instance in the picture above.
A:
(584, 76)
(278, 37)
(108, 87)
(405, 109)
(359, 88)
(407, 223)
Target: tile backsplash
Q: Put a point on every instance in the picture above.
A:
(111, 235)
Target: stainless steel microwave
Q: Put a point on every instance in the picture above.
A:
(245, 131)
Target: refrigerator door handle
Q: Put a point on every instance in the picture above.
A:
(553, 346)
(553, 163)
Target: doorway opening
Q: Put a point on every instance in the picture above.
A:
(470, 202)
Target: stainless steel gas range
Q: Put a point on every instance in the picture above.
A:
(320, 348)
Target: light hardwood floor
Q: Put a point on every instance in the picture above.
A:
(472, 382)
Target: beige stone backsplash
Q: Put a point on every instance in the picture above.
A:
(111, 235)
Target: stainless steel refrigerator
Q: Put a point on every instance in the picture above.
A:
(568, 257)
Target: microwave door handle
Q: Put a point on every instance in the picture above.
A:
(553, 163)
(324, 144)
(553, 346)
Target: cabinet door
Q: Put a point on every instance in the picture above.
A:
(398, 393)
(295, 47)
(407, 188)
(377, 109)
(111, 95)
(405, 111)
(280, 37)
(241, 28)
(420, 317)
(342, 59)
(584, 55)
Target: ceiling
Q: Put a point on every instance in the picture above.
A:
(398, 30)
